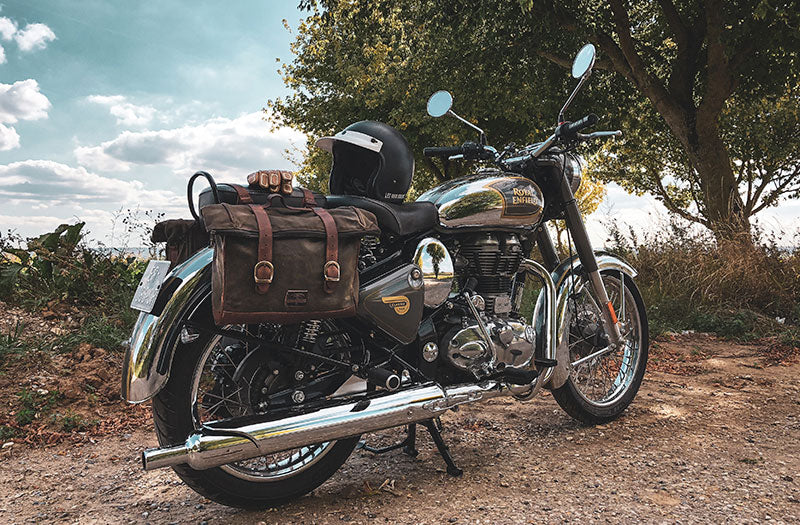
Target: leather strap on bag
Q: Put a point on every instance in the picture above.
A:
(244, 195)
(331, 272)
(308, 198)
(263, 271)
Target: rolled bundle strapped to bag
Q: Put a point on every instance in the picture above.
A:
(285, 264)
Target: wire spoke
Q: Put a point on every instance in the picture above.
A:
(602, 376)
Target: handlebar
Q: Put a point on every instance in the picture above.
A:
(468, 150)
(570, 129)
(442, 151)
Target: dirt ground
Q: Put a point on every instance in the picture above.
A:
(713, 437)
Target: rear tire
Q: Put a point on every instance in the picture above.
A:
(174, 422)
(573, 396)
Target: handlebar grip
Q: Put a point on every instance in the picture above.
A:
(572, 128)
(442, 151)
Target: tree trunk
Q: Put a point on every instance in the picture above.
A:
(722, 204)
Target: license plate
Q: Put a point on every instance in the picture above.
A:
(147, 292)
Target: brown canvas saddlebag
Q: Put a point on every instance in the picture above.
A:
(285, 264)
(183, 239)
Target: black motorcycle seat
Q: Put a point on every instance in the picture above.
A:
(398, 219)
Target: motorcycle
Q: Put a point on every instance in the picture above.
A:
(255, 415)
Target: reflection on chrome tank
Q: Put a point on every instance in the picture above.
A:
(487, 200)
(436, 264)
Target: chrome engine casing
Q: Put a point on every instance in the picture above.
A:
(512, 344)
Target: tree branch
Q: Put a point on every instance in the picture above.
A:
(720, 82)
(679, 29)
(671, 205)
(650, 85)
(681, 81)
(780, 189)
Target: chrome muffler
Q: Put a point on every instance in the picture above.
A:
(215, 447)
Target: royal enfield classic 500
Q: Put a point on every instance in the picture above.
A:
(253, 415)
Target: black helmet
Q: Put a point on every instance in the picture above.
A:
(370, 159)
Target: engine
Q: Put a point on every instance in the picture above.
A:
(493, 260)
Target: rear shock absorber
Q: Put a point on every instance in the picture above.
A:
(310, 330)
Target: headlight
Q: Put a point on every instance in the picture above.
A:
(572, 170)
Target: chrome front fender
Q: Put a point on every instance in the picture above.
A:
(565, 281)
(145, 369)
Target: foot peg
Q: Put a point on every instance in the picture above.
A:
(516, 376)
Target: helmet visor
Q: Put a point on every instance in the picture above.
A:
(355, 138)
(353, 168)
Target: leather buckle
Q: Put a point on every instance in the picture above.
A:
(337, 275)
(270, 272)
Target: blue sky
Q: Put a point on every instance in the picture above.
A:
(112, 105)
(106, 105)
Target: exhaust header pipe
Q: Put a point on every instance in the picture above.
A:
(207, 449)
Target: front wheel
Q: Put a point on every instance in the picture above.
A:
(602, 385)
(216, 378)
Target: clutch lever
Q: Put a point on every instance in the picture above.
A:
(456, 157)
(599, 135)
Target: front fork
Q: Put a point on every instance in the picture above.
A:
(586, 255)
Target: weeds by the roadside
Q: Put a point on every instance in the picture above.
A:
(692, 282)
(34, 404)
(57, 274)
(72, 422)
(96, 329)
(11, 342)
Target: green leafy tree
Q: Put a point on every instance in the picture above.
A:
(706, 91)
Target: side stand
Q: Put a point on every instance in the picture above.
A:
(409, 444)
(434, 427)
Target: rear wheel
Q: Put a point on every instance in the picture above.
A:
(215, 378)
(600, 387)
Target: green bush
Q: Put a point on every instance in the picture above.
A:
(58, 266)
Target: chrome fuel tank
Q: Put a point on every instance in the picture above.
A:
(496, 200)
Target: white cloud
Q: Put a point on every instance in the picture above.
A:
(22, 100)
(9, 138)
(60, 184)
(224, 146)
(127, 114)
(38, 195)
(34, 36)
(7, 28)
(2, 55)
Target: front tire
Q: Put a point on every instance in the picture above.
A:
(254, 484)
(598, 390)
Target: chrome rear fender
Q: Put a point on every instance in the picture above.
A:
(566, 281)
(148, 359)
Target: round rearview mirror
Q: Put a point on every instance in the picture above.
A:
(584, 61)
(440, 103)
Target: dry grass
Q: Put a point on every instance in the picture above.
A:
(692, 282)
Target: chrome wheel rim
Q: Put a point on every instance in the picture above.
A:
(601, 381)
(268, 468)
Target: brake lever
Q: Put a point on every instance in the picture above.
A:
(599, 135)
(456, 157)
